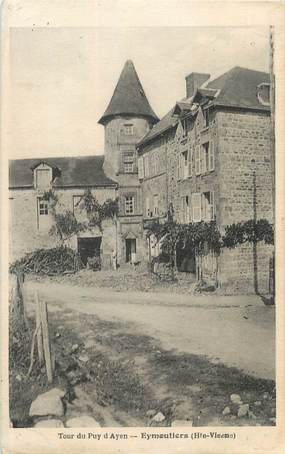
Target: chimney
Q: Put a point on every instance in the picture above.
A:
(194, 81)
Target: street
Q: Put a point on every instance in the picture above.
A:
(238, 331)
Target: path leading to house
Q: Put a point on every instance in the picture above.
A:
(237, 331)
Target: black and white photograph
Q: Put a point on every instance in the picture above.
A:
(142, 234)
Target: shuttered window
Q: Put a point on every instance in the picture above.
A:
(197, 160)
(185, 214)
(211, 156)
(190, 163)
(196, 207)
(140, 168)
(43, 177)
(146, 166)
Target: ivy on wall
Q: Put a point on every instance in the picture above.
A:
(65, 223)
(204, 237)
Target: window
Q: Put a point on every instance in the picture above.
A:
(190, 164)
(203, 206)
(196, 207)
(156, 164)
(208, 209)
(140, 168)
(184, 163)
(155, 205)
(207, 158)
(43, 178)
(211, 165)
(204, 157)
(207, 117)
(128, 158)
(129, 205)
(43, 207)
(185, 210)
(197, 160)
(129, 129)
(146, 166)
(263, 94)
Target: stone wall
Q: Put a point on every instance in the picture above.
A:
(245, 171)
(245, 269)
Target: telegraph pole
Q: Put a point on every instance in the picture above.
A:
(272, 115)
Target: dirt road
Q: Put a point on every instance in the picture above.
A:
(235, 331)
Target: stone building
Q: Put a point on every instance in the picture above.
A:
(210, 158)
(126, 120)
(30, 214)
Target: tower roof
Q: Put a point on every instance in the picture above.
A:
(129, 97)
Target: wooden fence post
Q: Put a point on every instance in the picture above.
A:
(39, 332)
(46, 340)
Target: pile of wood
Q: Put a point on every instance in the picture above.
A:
(54, 261)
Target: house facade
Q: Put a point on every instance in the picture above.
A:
(216, 166)
(31, 218)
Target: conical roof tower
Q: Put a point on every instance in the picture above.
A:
(129, 97)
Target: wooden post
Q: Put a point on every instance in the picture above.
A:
(20, 284)
(46, 340)
(272, 110)
(39, 333)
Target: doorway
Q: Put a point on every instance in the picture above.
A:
(89, 247)
(131, 249)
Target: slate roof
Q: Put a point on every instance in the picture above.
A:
(235, 88)
(129, 97)
(238, 88)
(71, 172)
(167, 122)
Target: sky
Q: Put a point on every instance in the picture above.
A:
(62, 79)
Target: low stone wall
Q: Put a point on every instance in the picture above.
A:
(245, 269)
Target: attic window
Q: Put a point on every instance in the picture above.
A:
(263, 94)
(43, 178)
(129, 129)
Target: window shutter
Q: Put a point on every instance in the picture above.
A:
(197, 160)
(146, 166)
(140, 168)
(202, 159)
(212, 205)
(196, 207)
(211, 156)
(190, 162)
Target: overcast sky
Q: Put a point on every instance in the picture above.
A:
(63, 78)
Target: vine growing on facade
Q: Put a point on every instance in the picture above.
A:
(65, 223)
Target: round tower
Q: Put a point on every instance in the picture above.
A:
(127, 119)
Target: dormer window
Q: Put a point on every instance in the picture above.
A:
(263, 94)
(129, 129)
(43, 178)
